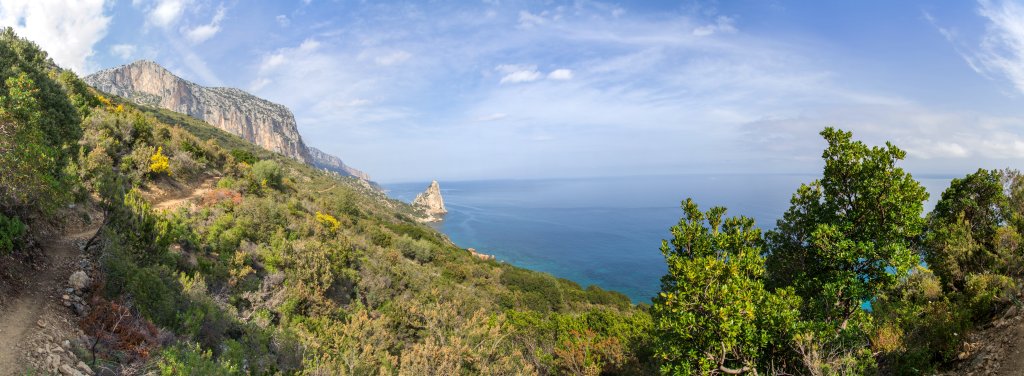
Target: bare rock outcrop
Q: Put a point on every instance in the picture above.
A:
(431, 203)
(331, 163)
(260, 121)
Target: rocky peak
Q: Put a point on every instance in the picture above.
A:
(331, 163)
(431, 202)
(260, 121)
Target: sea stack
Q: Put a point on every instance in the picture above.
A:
(431, 203)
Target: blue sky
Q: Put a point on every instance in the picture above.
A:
(520, 89)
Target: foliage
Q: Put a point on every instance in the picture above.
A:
(268, 173)
(39, 127)
(244, 156)
(966, 233)
(158, 163)
(328, 222)
(714, 313)
(919, 327)
(117, 331)
(848, 236)
(190, 359)
(11, 232)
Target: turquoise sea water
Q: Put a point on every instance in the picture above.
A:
(601, 231)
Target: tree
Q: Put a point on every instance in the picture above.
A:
(39, 128)
(849, 235)
(714, 314)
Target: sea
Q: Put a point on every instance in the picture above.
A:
(603, 231)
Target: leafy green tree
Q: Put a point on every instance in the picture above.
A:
(714, 314)
(39, 128)
(849, 235)
(966, 230)
(981, 200)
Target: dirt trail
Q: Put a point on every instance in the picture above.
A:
(35, 315)
(36, 309)
(173, 203)
(996, 349)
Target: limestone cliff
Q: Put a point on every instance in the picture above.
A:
(331, 163)
(431, 203)
(260, 121)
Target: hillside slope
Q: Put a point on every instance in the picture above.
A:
(257, 120)
(216, 256)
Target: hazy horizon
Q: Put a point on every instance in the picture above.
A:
(520, 89)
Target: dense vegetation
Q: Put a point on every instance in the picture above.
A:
(282, 268)
(852, 280)
(285, 269)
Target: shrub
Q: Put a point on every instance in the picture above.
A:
(11, 231)
(158, 163)
(268, 173)
(117, 331)
(190, 359)
(243, 156)
(328, 222)
(989, 294)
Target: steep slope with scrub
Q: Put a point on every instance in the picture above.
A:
(214, 256)
(278, 267)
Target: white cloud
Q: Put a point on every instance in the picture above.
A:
(259, 83)
(492, 117)
(66, 30)
(392, 58)
(273, 61)
(123, 51)
(514, 73)
(1002, 48)
(722, 24)
(167, 12)
(528, 20)
(201, 33)
(560, 74)
(309, 45)
(283, 20)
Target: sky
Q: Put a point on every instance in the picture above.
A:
(498, 89)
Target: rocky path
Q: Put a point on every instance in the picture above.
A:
(997, 349)
(35, 316)
(173, 203)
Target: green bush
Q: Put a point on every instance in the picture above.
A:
(11, 231)
(540, 291)
(190, 359)
(268, 173)
(245, 156)
(989, 294)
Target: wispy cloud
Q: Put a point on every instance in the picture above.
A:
(124, 51)
(165, 13)
(492, 117)
(1002, 49)
(584, 77)
(560, 74)
(722, 24)
(201, 33)
(514, 73)
(1000, 52)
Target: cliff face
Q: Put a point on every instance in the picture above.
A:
(431, 202)
(260, 121)
(331, 163)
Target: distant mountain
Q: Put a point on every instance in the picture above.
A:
(262, 122)
(331, 163)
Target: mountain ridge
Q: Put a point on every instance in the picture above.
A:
(270, 125)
